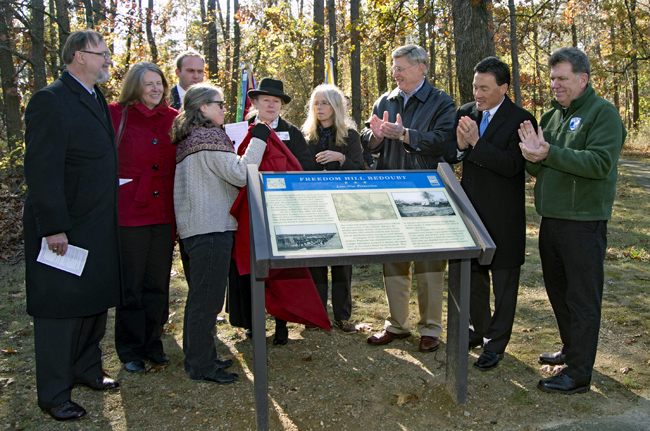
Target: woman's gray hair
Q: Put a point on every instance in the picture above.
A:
(133, 85)
(191, 116)
(414, 54)
(578, 59)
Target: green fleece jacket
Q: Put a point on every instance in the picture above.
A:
(577, 181)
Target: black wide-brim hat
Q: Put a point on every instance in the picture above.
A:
(270, 87)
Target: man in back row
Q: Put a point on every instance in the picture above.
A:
(574, 154)
(190, 70)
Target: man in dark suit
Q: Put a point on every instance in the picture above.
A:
(71, 169)
(190, 67)
(487, 141)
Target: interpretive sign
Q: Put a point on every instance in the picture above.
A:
(307, 219)
(351, 213)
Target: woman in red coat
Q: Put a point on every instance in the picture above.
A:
(142, 121)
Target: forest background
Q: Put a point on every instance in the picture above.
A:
(293, 41)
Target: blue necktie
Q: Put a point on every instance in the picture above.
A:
(484, 123)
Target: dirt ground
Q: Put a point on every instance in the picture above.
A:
(337, 381)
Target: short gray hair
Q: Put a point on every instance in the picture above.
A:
(414, 54)
(578, 59)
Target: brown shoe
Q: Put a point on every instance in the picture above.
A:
(66, 411)
(346, 326)
(429, 344)
(385, 338)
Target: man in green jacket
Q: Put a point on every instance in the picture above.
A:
(573, 155)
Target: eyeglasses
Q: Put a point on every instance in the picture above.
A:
(106, 55)
(218, 102)
(317, 104)
(400, 70)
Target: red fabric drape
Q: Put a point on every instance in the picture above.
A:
(290, 293)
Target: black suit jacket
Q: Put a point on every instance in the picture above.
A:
(174, 98)
(493, 178)
(71, 170)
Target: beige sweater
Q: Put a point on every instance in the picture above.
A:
(207, 181)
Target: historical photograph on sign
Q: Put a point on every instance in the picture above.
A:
(423, 204)
(308, 237)
(363, 206)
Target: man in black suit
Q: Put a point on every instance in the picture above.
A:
(487, 141)
(190, 67)
(71, 169)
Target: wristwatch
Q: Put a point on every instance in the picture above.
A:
(402, 136)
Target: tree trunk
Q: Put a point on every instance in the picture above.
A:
(212, 52)
(450, 72)
(88, 9)
(471, 37)
(150, 39)
(516, 89)
(99, 11)
(319, 42)
(37, 33)
(422, 24)
(382, 73)
(226, 37)
(234, 76)
(63, 21)
(10, 95)
(634, 64)
(612, 40)
(334, 50)
(54, 59)
(355, 62)
(432, 53)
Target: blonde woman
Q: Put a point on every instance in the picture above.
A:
(334, 144)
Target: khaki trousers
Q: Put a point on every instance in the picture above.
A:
(430, 278)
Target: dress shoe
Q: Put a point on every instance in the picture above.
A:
(159, 358)
(102, 384)
(217, 376)
(488, 360)
(66, 411)
(220, 320)
(562, 384)
(281, 335)
(386, 337)
(249, 334)
(346, 326)
(224, 363)
(550, 358)
(135, 367)
(429, 344)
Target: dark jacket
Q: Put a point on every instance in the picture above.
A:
(174, 98)
(351, 150)
(577, 181)
(148, 159)
(296, 144)
(429, 116)
(71, 170)
(493, 179)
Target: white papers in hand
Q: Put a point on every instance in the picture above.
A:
(237, 132)
(124, 181)
(73, 261)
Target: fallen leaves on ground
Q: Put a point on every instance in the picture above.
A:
(407, 398)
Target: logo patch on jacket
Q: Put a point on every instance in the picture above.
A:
(574, 123)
